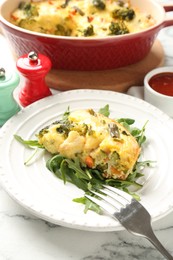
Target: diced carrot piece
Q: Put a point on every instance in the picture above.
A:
(90, 18)
(14, 17)
(89, 161)
(115, 171)
(73, 12)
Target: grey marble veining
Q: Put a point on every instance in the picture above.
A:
(27, 237)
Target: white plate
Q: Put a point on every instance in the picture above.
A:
(44, 195)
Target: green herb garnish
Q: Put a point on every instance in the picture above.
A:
(85, 178)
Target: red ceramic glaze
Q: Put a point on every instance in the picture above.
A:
(33, 72)
(71, 53)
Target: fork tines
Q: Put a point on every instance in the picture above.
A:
(110, 199)
(129, 212)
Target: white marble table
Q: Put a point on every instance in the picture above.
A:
(26, 237)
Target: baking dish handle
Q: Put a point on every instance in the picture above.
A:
(168, 7)
(169, 20)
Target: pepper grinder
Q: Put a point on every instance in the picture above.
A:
(8, 105)
(33, 67)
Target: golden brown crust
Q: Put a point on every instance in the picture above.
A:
(98, 141)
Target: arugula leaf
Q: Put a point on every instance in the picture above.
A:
(139, 134)
(104, 111)
(89, 205)
(28, 143)
(31, 157)
(54, 163)
(75, 165)
(141, 138)
(87, 179)
(145, 163)
(127, 121)
(66, 114)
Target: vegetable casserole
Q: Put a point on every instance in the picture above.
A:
(96, 140)
(81, 18)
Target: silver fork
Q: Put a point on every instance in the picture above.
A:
(129, 212)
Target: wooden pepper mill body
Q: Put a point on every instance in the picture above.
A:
(33, 68)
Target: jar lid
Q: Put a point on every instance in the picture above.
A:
(7, 79)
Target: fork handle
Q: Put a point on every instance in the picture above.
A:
(154, 240)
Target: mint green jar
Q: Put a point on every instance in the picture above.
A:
(8, 105)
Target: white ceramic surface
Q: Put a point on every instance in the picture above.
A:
(25, 237)
(163, 102)
(45, 196)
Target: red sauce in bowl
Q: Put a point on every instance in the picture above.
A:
(162, 83)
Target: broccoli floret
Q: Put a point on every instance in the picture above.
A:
(43, 131)
(124, 14)
(31, 24)
(99, 4)
(61, 30)
(118, 28)
(29, 9)
(120, 3)
(89, 31)
(27, 23)
(22, 5)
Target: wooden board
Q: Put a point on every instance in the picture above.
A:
(117, 80)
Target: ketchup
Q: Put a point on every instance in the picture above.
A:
(162, 83)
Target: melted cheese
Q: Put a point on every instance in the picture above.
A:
(88, 136)
(79, 18)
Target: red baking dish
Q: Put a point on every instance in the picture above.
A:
(81, 53)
